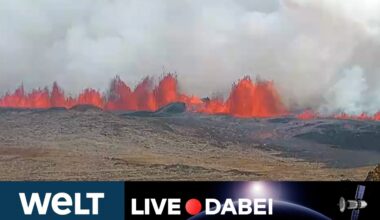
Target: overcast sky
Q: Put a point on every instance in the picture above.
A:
(321, 54)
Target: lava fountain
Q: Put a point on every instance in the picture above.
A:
(247, 98)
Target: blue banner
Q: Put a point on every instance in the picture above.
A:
(62, 200)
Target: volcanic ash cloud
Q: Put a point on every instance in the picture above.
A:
(320, 54)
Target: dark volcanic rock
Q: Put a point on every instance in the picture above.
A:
(139, 114)
(83, 108)
(172, 108)
(168, 110)
(374, 175)
(56, 109)
(349, 134)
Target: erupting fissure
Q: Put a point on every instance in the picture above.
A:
(310, 115)
(246, 99)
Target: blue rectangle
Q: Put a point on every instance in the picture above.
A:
(111, 207)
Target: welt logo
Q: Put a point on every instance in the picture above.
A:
(61, 203)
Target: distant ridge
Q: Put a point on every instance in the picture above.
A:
(165, 111)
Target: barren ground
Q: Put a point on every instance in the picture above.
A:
(90, 144)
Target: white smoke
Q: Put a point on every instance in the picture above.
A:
(347, 95)
(309, 48)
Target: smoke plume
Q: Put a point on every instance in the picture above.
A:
(320, 54)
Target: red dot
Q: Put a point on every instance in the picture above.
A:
(193, 206)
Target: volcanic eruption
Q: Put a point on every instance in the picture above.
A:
(246, 99)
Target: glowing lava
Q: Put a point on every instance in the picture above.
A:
(145, 96)
(307, 115)
(246, 99)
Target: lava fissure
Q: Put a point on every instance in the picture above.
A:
(247, 98)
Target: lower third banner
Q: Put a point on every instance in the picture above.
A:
(189, 200)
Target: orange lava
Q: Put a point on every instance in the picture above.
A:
(377, 116)
(146, 96)
(246, 99)
(307, 115)
(362, 116)
(259, 99)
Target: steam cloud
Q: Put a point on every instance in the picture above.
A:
(320, 54)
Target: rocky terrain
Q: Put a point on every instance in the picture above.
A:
(374, 175)
(86, 143)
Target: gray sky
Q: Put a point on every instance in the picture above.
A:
(317, 52)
